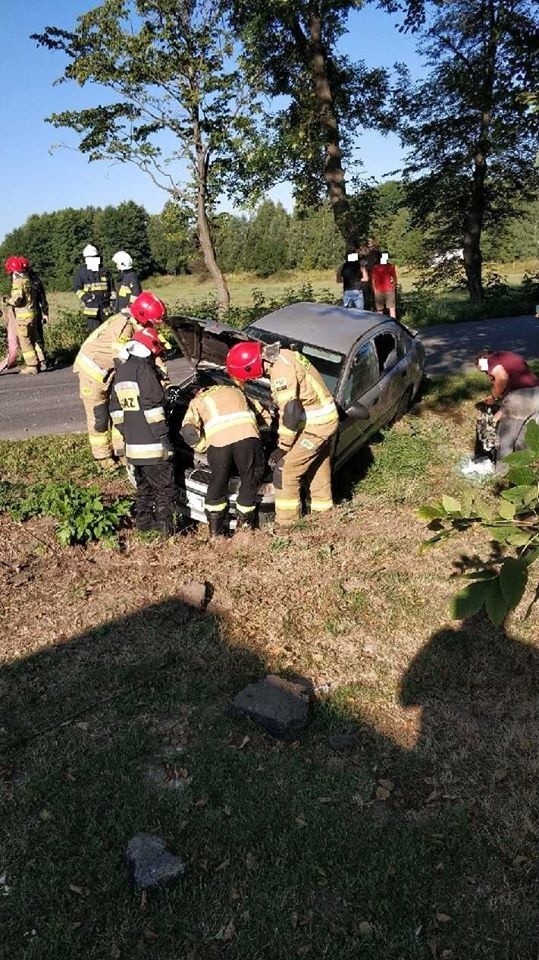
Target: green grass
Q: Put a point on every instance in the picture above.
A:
(44, 459)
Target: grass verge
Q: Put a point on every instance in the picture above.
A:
(419, 842)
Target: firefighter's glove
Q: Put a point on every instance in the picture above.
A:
(275, 457)
(168, 451)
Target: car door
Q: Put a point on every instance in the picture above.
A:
(360, 385)
(393, 366)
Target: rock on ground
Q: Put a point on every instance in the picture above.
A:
(278, 706)
(151, 863)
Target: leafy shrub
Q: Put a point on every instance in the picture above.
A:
(513, 525)
(64, 337)
(241, 317)
(80, 512)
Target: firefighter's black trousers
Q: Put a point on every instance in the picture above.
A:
(156, 493)
(248, 456)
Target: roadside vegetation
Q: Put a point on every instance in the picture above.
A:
(252, 297)
(418, 841)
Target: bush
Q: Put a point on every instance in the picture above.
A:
(241, 317)
(64, 337)
(80, 512)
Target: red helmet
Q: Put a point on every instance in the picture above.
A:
(147, 308)
(244, 361)
(150, 338)
(24, 262)
(15, 264)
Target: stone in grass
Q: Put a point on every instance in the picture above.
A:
(195, 594)
(152, 865)
(278, 706)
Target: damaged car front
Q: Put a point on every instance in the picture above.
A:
(204, 346)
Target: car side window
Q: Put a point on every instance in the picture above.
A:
(387, 351)
(363, 373)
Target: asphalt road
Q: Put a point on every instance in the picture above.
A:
(49, 403)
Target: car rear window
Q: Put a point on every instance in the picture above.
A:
(327, 362)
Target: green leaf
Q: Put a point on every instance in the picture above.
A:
(521, 458)
(518, 539)
(469, 600)
(496, 605)
(532, 437)
(500, 534)
(506, 510)
(483, 510)
(521, 494)
(521, 476)
(431, 513)
(513, 579)
(450, 505)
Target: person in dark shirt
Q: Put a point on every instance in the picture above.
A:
(507, 371)
(351, 274)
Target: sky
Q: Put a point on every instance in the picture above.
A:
(39, 178)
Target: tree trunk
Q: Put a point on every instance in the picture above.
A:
(473, 227)
(203, 224)
(473, 260)
(333, 170)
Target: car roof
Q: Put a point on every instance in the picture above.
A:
(320, 324)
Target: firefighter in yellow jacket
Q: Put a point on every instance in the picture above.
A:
(22, 301)
(94, 365)
(308, 420)
(221, 421)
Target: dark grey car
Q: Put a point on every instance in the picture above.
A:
(373, 366)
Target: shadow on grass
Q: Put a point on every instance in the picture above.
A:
(446, 394)
(292, 850)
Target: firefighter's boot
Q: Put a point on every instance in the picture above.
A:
(246, 521)
(107, 464)
(165, 527)
(216, 523)
(29, 371)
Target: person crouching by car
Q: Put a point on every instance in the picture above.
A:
(221, 421)
(507, 371)
(138, 413)
(308, 420)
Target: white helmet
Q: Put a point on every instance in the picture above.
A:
(122, 260)
(90, 251)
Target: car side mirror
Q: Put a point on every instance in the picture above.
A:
(358, 411)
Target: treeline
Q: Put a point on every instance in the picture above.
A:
(266, 242)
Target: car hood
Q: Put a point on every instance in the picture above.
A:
(204, 340)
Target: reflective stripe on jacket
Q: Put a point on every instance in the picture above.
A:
(93, 288)
(303, 399)
(98, 352)
(128, 289)
(220, 416)
(21, 298)
(137, 410)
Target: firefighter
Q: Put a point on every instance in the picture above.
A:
(129, 286)
(221, 421)
(308, 420)
(25, 315)
(137, 411)
(94, 365)
(93, 286)
(41, 307)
